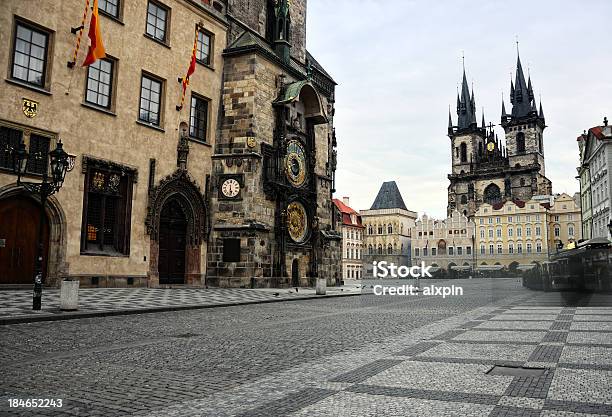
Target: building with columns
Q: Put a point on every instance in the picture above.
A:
(352, 231)
(388, 227)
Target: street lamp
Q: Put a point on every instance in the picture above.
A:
(59, 162)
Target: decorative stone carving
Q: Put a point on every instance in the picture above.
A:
(179, 185)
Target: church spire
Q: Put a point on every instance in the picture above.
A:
(450, 122)
(466, 106)
(282, 29)
(521, 93)
(504, 115)
(541, 113)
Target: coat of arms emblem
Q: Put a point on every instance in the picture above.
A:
(29, 107)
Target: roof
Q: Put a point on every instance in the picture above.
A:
(597, 132)
(347, 213)
(319, 67)
(388, 197)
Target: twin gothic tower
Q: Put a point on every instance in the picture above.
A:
(483, 169)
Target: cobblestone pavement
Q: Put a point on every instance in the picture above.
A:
(17, 304)
(348, 356)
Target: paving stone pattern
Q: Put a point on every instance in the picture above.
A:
(349, 356)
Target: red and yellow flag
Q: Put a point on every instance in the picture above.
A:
(96, 47)
(192, 66)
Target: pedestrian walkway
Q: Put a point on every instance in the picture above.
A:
(16, 305)
(539, 354)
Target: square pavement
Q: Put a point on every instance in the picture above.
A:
(447, 373)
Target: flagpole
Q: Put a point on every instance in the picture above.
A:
(72, 63)
(185, 80)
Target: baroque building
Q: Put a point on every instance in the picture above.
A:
(352, 240)
(595, 178)
(515, 234)
(444, 244)
(483, 169)
(388, 227)
(272, 216)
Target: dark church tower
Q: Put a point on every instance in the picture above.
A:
(524, 128)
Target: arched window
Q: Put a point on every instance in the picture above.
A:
(370, 250)
(380, 250)
(520, 142)
(389, 249)
(463, 152)
(390, 229)
(492, 194)
(380, 229)
(370, 231)
(442, 247)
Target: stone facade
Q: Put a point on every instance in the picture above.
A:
(486, 171)
(259, 90)
(565, 220)
(272, 103)
(352, 240)
(113, 137)
(446, 244)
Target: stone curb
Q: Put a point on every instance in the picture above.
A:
(109, 313)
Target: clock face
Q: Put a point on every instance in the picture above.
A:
(251, 142)
(295, 163)
(297, 222)
(490, 146)
(230, 188)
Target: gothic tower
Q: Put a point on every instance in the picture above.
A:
(524, 128)
(467, 141)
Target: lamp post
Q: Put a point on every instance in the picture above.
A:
(56, 165)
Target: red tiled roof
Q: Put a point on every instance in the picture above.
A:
(346, 214)
(597, 132)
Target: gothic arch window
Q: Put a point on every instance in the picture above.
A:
(442, 247)
(492, 194)
(520, 142)
(463, 151)
(380, 229)
(390, 228)
(389, 249)
(380, 250)
(370, 231)
(370, 250)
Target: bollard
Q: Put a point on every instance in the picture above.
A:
(321, 286)
(69, 295)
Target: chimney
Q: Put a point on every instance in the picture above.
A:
(345, 200)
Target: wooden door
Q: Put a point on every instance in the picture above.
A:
(295, 273)
(172, 242)
(19, 217)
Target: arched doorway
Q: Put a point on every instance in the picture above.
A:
(172, 243)
(295, 273)
(19, 239)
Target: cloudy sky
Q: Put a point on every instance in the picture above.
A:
(398, 63)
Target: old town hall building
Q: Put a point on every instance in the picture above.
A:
(233, 188)
(483, 169)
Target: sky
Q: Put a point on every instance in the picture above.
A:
(398, 64)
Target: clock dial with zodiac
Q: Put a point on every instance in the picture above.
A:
(297, 222)
(230, 188)
(490, 146)
(295, 163)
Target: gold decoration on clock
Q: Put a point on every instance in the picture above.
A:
(295, 163)
(297, 222)
(490, 146)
